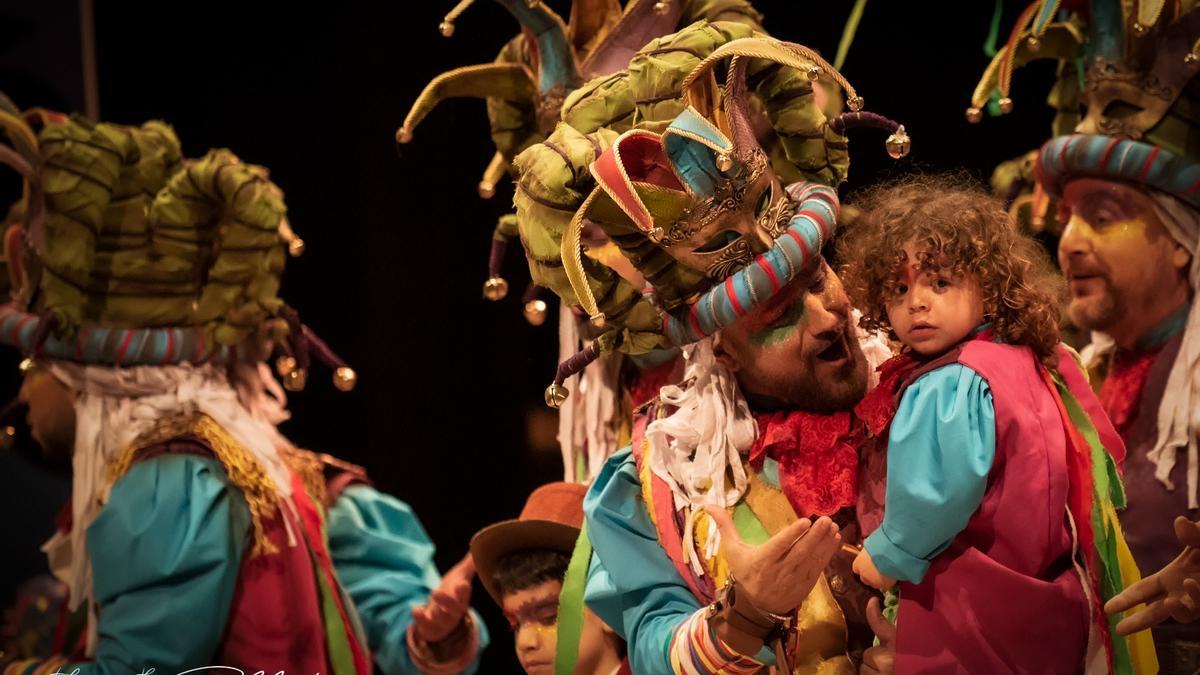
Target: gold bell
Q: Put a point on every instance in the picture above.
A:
(296, 380)
(855, 104)
(25, 365)
(345, 378)
(284, 365)
(1138, 29)
(556, 395)
(724, 162)
(446, 28)
(535, 312)
(1006, 105)
(974, 115)
(1034, 43)
(898, 144)
(7, 436)
(296, 247)
(403, 135)
(662, 7)
(495, 289)
(814, 73)
(598, 320)
(1191, 59)
(487, 190)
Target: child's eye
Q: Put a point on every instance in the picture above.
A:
(901, 289)
(548, 618)
(941, 283)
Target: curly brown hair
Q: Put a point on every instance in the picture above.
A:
(959, 229)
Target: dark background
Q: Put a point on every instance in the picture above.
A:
(449, 384)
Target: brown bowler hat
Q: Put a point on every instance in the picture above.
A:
(551, 520)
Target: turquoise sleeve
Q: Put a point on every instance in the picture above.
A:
(384, 559)
(941, 446)
(166, 552)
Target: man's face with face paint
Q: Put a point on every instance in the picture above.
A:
(1124, 270)
(798, 350)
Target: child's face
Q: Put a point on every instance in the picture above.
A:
(932, 312)
(533, 616)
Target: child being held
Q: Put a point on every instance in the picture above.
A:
(999, 457)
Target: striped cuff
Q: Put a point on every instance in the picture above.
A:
(53, 664)
(696, 650)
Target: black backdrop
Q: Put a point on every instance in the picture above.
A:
(398, 240)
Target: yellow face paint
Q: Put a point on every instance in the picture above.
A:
(1111, 232)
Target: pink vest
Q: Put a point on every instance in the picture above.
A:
(1005, 597)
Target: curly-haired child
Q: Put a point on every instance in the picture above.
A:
(998, 518)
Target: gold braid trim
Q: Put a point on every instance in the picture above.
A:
(242, 468)
(311, 468)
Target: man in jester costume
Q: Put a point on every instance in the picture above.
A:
(730, 260)
(1127, 184)
(604, 70)
(145, 300)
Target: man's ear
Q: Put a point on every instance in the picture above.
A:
(1180, 258)
(724, 356)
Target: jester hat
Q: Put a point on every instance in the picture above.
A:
(525, 87)
(699, 211)
(121, 252)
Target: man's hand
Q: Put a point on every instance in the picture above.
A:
(865, 568)
(1170, 593)
(777, 575)
(447, 605)
(879, 660)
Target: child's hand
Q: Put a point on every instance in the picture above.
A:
(865, 568)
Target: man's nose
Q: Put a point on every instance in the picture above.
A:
(1076, 240)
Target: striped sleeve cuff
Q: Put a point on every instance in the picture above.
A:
(696, 650)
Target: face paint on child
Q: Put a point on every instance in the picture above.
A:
(533, 616)
(930, 310)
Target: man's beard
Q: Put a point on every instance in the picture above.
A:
(1096, 312)
(823, 395)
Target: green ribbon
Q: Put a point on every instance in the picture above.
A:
(989, 45)
(1106, 488)
(571, 607)
(848, 33)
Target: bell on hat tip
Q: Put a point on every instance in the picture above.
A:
(814, 73)
(296, 247)
(487, 190)
(446, 28)
(403, 135)
(284, 365)
(345, 378)
(25, 365)
(974, 115)
(1034, 43)
(296, 379)
(495, 288)
(1191, 59)
(556, 395)
(724, 162)
(898, 144)
(1006, 105)
(598, 320)
(662, 7)
(535, 312)
(855, 104)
